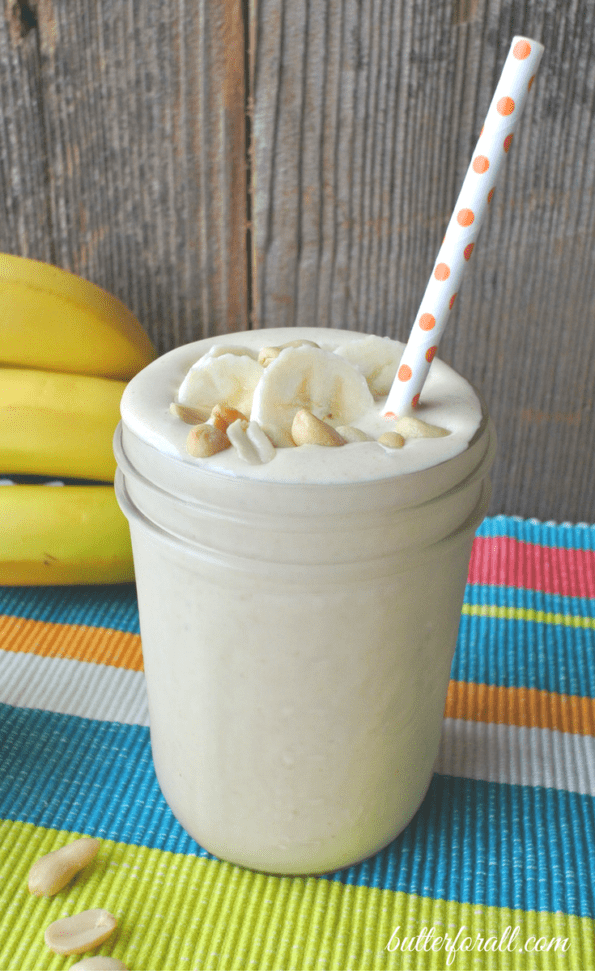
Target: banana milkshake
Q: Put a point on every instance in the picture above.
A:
(301, 564)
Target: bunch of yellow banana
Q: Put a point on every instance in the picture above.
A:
(67, 349)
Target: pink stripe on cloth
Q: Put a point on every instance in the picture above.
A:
(503, 561)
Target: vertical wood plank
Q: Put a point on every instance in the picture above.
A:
(143, 109)
(364, 129)
(278, 118)
(25, 224)
(519, 331)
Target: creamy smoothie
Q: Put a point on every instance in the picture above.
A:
(448, 402)
(299, 604)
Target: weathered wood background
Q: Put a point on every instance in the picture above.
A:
(222, 164)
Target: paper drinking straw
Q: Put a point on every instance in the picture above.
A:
(471, 206)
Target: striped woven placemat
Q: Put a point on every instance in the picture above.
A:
(495, 871)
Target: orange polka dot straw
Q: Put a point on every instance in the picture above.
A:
(494, 145)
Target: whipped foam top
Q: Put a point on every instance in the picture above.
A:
(447, 401)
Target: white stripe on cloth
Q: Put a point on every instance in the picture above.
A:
(71, 687)
(517, 756)
(486, 752)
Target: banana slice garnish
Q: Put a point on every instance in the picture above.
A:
(377, 358)
(239, 349)
(308, 377)
(229, 378)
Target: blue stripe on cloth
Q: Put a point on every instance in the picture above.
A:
(474, 842)
(574, 536)
(524, 598)
(494, 845)
(113, 606)
(520, 653)
(83, 775)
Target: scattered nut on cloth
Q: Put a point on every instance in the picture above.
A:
(52, 872)
(80, 933)
(98, 963)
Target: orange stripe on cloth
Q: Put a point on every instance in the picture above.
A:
(525, 707)
(100, 645)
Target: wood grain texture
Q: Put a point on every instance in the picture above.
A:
(123, 131)
(142, 111)
(25, 226)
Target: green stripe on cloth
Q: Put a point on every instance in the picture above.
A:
(527, 614)
(484, 842)
(176, 912)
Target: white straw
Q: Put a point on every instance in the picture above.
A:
(471, 206)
